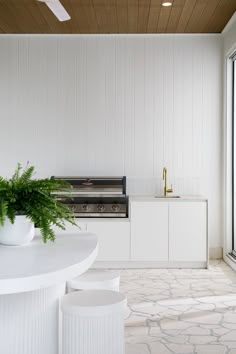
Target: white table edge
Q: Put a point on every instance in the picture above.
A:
(45, 280)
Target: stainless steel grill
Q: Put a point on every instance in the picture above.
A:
(96, 196)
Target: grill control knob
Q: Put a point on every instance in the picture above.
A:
(100, 207)
(85, 207)
(73, 208)
(115, 207)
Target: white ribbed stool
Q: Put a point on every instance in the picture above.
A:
(95, 279)
(93, 322)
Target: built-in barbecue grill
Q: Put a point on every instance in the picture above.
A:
(96, 196)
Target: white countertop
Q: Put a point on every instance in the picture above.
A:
(170, 198)
(38, 265)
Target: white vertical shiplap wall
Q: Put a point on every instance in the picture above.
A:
(116, 105)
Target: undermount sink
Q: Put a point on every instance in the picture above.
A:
(168, 196)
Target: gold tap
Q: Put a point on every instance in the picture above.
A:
(166, 189)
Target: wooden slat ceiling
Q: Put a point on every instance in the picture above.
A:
(117, 16)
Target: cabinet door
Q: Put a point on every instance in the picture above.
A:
(187, 231)
(114, 239)
(149, 231)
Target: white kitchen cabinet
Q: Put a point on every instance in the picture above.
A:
(188, 231)
(149, 231)
(114, 239)
(160, 233)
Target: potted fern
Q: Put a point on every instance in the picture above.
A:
(25, 202)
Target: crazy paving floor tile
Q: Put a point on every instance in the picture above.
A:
(184, 311)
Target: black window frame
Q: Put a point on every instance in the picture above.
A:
(233, 58)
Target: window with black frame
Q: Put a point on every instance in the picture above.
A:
(233, 57)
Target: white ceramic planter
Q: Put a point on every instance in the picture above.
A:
(19, 233)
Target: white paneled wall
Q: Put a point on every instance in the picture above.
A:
(116, 105)
(229, 36)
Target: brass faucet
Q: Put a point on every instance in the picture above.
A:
(166, 189)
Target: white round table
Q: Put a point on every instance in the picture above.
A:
(32, 280)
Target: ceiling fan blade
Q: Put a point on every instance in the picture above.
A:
(56, 7)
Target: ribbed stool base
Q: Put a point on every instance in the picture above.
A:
(29, 321)
(93, 335)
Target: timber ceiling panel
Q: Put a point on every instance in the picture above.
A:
(117, 16)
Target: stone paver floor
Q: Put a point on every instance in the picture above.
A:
(185, 311)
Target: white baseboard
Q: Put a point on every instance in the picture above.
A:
(215, 253)
(133, 265)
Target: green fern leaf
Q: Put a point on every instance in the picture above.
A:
(3, 211)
